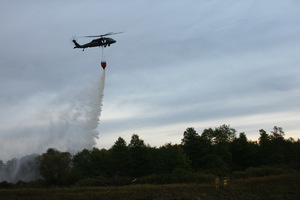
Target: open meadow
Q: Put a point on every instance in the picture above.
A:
(272, 187)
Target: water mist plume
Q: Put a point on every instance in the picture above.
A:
(67, 122)
(72, 127)
(77, 127)
(24, 169)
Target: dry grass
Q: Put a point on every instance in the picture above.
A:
(272, 187)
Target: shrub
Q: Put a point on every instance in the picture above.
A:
(260, 172)
(178, 176)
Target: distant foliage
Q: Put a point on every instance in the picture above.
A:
(261, 172)
(55, 167)
(199, 158)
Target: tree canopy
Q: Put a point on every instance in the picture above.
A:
(217, 151)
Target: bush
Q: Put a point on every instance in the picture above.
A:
(5, 184)
(104, 181)
(178, 176)
(260, 172)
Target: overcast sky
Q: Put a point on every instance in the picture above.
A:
(178, 64)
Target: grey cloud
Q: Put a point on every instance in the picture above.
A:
(177, 62)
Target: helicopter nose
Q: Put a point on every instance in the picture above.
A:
(113, 41)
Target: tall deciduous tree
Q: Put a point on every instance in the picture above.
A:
(168, 158)
(55, 167)
(83, 162)
(224, 134)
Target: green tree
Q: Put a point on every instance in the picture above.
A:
(190, 137)
(266, 153)
(93, 162)
(101, 159)
(244, 153)
(208, 135)
(277, 133)
(83, 162)
(296, 153)
(120, 145)
(139, 157)
(168, 158)
(192, 146)
(219, 157)
(281, 151)
(55, 167)
(120, 158)
(224, 134)
(136, 143)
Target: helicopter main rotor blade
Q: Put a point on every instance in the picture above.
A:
(92, 36)
(110, 33)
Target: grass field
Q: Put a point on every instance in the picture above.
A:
(272, 187)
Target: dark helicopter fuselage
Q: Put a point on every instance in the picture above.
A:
(103, 41)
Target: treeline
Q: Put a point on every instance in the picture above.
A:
(199, 158)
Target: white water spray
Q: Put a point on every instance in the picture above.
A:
(67, 122)
(72, 128)
(76, 127)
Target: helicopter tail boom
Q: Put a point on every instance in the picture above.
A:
(76, 44)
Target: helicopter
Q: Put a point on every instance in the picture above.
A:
(101, 41)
